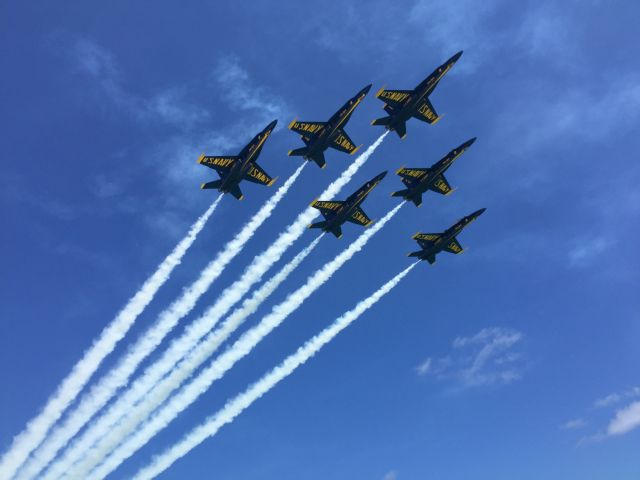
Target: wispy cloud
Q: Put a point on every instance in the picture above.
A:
(587, 249)
(168, 106)
(249, 107)
(626, 419)
(574, 424)
(617, 397)
(487, 358)
(392, 475)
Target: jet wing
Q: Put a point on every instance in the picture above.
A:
(256, 174)
(410, 176)
(440, 185)
(395, 98)
(327, 208)
(426, 112)
(360, 218)
(220, 164)
(309, 130)
(454, 247)
(343, 143)
(426, 240)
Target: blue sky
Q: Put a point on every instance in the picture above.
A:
(510, 361)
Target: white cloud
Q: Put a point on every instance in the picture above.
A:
(167, 106)
(485, 358)
(616, 397)
(392, 475)
(626, 419)
(251, 106)
(424, 367)
(587, 249)
(574, 424)
(241, 93)
(578, 114)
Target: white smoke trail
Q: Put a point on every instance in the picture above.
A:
(238, 350)
(199, 328)
(237, 405)
(102, 392)
(36, 430)
(161, 391)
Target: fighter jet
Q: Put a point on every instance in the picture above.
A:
(233, 170)
(318, 136)
(433, 243)
(401, 105)
(419, 180)
(336, 212)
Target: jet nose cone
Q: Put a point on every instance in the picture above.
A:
(272, 125)
(456, 57)
(472, 141)
(366, 89)
(479, 212)
(382, 175)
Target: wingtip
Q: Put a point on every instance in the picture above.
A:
(201, 158)
(379, 92)
(292, 123)
(289, 152)
(202, 185)
(356, 149)
(272, 181)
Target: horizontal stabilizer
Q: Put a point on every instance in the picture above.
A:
(211, 185)
(336, 230)
(401, 129)
(298, 152)
(384, 121)
(236, 192)
(400, 193)
(319, 159)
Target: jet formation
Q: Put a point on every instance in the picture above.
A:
(318, 137)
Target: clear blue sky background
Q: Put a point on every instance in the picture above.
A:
(509, 361)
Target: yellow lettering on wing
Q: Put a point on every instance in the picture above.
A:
(218, 161)
(258, 175)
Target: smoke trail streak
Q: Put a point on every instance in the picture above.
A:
(199, 328)
(238, 350)
(161, 391)
(37, 428)
(101, 393)
(237, 405)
